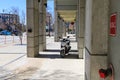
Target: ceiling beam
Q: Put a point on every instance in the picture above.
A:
(66, 7)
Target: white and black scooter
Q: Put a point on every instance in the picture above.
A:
(65, 47)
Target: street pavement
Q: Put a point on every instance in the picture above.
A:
(15, 65)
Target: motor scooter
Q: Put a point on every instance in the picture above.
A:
(65, 47)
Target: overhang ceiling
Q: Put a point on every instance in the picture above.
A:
(67, 9)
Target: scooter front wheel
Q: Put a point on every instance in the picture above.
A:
(62, 53)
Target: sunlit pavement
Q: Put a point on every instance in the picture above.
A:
(48, 66)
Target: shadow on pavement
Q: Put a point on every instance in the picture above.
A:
(20, 44)
(51, 50)
(53, 56)
(73, 54)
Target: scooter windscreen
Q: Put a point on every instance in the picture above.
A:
(63, 44)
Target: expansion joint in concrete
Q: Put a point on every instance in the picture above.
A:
(81, 37)
(95, 54)
(40, 35)
(33, 36)
(80, 47)
(33, 46)
(41, 43)
(41, 13)
(82, 7)
(30, 8)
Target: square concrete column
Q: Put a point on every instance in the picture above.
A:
(60, 28)
(41, 23)
(64, 29)
(81, 29)
(96, 37)
(77, 25)
(44, 24)
(76, 30)
(56, 36)
(32, 28)
(56, 28)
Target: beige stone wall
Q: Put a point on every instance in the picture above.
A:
(96, 37)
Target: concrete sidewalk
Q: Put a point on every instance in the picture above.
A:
(16, 66)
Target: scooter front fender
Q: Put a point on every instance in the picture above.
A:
(62, 52)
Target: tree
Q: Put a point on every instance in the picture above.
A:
(23, 20)
(15, 11)
(20, 33)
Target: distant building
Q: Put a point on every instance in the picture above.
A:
(8, 20)
(49, 21)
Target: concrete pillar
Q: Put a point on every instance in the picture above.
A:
(44, 24)
(96, 37)
(56, 24)
(60, 27)
(81, 24)
(76, 29)
(64, 29)
(56, 27)
(77, 26)
(77, 22)
(33, 28)
(41, 25)
(42, 38)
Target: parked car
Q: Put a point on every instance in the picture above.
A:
(15, 32)
(5, 32)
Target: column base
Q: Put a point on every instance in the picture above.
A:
(32, 52)
(80, 53)
(40, 46)
(92, 65)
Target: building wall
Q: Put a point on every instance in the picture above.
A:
(114, 42)
(96, 37)
(48, 18)
(88, 38)
(9, 18)
(88, 24)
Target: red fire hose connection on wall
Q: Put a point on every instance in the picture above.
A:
(105, 72)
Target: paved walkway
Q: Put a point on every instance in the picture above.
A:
(14, 65)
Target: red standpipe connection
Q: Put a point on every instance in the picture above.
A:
(103, 73)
